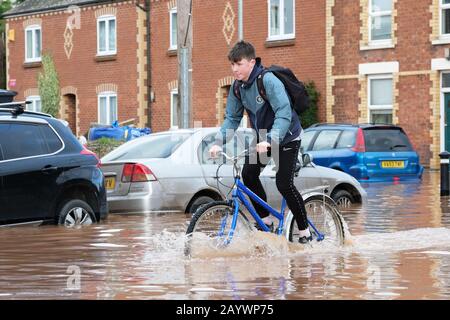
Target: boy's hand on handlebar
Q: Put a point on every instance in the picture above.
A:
(215, 151)
(263, 147)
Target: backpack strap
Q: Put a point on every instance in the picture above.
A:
(236, 91)
(260, 84)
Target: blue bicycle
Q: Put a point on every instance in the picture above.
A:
(219, 221)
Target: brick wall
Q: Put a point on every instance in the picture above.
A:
(81, 70)
(211, 44)
(413, 27)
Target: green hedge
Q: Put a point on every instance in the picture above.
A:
(103, 146)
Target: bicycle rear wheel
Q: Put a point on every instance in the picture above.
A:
(211, 224)
(325, 216)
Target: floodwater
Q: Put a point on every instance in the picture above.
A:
(399, 248)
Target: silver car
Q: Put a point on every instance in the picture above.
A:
(171, 172)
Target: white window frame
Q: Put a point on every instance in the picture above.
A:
(32, 107)
(282, 35)
(108, 95)
(443, 7)
(371, 108)
(444, 90)
(379, 14)
(107, 20)
(172, 94)
(172, 46)
(35, 57)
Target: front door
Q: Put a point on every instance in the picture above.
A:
(447, 121)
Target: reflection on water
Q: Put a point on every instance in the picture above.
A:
(399, 248)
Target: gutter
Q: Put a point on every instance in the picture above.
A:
(57, 8)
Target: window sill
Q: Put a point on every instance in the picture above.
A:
(279, 43)
(172, 52)
(110, 57)
(377, 47)
(440, 41)
(34, 64)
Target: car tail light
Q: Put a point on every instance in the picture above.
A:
(360, 145)
(136, 172)
(88, 152)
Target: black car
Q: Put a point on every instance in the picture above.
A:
(46, 175)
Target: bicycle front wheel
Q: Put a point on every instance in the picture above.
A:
(323, 213)
(210, 227)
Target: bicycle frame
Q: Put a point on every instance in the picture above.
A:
(238, 197)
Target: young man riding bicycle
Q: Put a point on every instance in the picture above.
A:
(278, 132)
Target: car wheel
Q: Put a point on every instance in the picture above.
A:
(198, 202)
(343, 199)
(75, 213)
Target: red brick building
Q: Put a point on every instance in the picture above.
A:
(388, 61)
(98, 48)
(301, 45)
(371, 60)
(86, 75)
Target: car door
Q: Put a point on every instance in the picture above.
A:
(323, 146)
(306, 179)
(210, 167)
(28, 171)
(343, 157)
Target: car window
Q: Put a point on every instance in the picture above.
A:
(382, 140)
(306, 140)
(51, 139)
(156, 146)
(326, 140)
(234, 147)
(347, 139)
(19, 140)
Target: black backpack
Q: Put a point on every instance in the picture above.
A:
(295, 88)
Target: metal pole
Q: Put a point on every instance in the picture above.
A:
(240, 20)
(185, 86)
(445, 190)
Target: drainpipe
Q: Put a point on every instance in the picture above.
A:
(149, 69)
(240, 20)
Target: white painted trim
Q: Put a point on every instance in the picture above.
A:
(378, 46)
(441, 40)
(283, 35)
(171, 13)
(378, 14)
(32, 106)
(442, 7)
(378, 68)
(108, 95)
(442, 110)
(370, 107)
(107, 19)
(440, 64)
(172, 93)
(34, 29)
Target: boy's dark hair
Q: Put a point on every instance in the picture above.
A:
(242, 50)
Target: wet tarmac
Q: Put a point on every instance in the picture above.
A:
(399, 248)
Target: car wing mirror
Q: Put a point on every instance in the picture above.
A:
(306, 159)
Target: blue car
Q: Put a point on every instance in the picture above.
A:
(368, 152)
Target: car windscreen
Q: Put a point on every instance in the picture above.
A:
(386, 139)
(156, 146)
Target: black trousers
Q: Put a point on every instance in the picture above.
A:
(285, 161)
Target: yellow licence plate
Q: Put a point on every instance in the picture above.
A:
(110, 183)
(392, 164)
